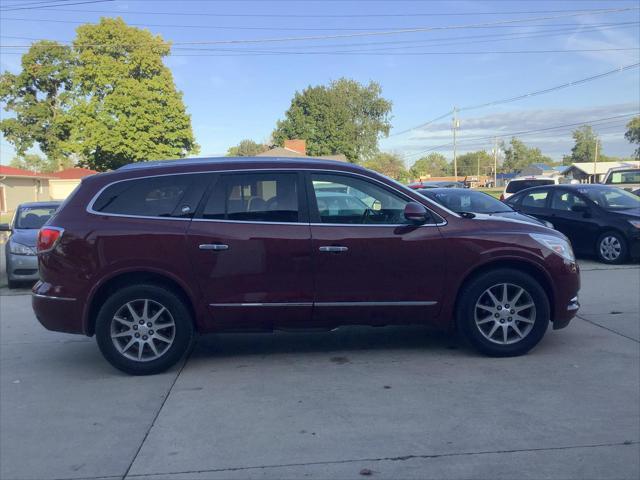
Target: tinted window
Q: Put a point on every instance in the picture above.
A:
(612, 198)
(565, 201)
(515, 186)
(33, 217)
(258, 197)
(345, 199)
(149, 197)
(535, 199)
(624, 177)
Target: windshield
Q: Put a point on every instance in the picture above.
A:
(32, 218)
(612, 198)
(460, 200)
(515, 186)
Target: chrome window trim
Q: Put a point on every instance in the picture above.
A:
(89, 209)
(329, 304)
(53, 297)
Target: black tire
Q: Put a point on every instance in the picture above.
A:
(604, 254)
(474, 292)
(12, 284)
(176, 310)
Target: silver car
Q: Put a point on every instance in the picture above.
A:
(20, 249)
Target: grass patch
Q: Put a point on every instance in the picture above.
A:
(494, 192)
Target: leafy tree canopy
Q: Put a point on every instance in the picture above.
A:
(517, 156)
(39, 97)
(468, 163)
(343, 117)
(247, 148)
(388, 164)
(633, 135)
(584, 149)
(128, 108)
(434, 164)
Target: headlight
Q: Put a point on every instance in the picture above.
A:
(20, 249)
(556, 244)
(635, 223)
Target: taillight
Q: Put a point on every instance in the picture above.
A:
(502, 197)
(47, 238)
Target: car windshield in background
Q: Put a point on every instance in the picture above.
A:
(624, 177)
(33, 217)
(465, 200)
(515, 186)
(612, 198)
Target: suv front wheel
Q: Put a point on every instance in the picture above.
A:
(144, 329)
(503, 312)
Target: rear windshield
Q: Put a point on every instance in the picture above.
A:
(33, 218)
(624, 177)
(515, 186)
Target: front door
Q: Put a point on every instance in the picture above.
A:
(579, 226)
(371, 265)
(250, 248)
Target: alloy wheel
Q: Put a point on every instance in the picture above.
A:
(143, 330)
(505, 313)
(610, 248)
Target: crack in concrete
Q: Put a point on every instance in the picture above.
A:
(608, 329)
(383, 459)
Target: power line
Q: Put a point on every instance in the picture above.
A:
(351, 35)
(343, 15)
(5, 9)
(409, 43)
(522, 96)
(526, 132)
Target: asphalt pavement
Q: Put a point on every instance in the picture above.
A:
(395, 402)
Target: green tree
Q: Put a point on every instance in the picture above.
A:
(584, 149)
(468, 163)
(39, 98)
(434, 164)
(633, 135)
(517, 156)
(37, 163)
(344, 117)
(388, 164)
(247, 148)
(127, 107)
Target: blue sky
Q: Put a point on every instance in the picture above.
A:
(236, 91)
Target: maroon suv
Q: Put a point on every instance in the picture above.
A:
(145, 256)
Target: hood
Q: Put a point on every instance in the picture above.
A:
(631, 212)
(26, 237)
(509, 216)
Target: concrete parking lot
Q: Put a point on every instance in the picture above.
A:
(386, 402)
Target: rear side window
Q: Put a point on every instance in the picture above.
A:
(255, 197)
(148, 197)
(535, 199)
(515, 186)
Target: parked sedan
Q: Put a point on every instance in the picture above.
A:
(476, 203)
(20, 251)
(598, 219)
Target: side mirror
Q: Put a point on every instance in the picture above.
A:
(416, 213)
(5, 227)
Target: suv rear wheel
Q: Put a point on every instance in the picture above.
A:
(503, 312)
(144, 329)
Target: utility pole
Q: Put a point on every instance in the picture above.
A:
(456, 124)
(595, 162)
(495, 162)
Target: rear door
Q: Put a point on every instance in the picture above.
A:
(371, 265)
(250, 249)
(536, 203)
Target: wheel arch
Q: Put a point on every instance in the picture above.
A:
(133, 277)
(536, 272)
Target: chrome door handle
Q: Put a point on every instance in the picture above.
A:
(214, 246)
(333, 249)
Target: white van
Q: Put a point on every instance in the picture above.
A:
(520, 183)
